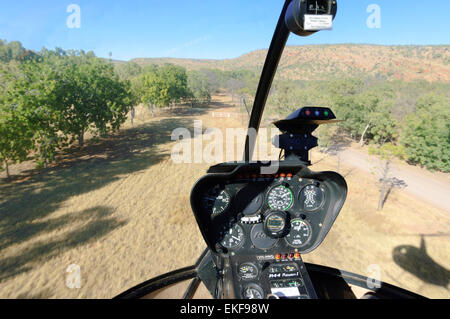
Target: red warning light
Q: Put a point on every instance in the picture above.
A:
(308, 112)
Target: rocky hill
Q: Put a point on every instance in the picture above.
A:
(310, 62)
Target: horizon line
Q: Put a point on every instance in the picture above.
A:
(287, 46)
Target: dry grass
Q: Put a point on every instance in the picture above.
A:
(120, 210)
(363, 236)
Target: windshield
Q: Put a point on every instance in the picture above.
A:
(111, 111)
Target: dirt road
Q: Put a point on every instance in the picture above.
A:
(433, 188)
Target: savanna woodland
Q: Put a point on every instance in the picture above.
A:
(51, 98)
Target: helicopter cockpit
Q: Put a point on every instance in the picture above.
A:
(258, 225)
(259, 218)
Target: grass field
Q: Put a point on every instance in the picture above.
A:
(119, 208)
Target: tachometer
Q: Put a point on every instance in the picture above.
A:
(280, 198)
(233, 238)
(216, 200)
(300, 233)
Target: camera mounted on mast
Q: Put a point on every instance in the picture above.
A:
(296, 139)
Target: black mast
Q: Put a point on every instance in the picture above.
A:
(276, 48)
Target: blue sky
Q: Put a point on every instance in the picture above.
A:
(214, 29)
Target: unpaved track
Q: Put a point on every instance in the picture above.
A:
(428, 187)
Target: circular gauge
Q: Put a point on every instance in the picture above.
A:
(300, 233)
(253, 291)
(260, 239)
(247, 271)
(280, 198)
(275, 224)
(253, 206)
(216, 200)
(311, 198)
(233, 238)
(249, 200)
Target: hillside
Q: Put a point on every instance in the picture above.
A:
(313, 62)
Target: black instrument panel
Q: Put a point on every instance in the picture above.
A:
(264, 212)
(260, 224)
(245, 212)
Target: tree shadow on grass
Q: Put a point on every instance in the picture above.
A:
(393, 183)
(90, 225)
(42, 294)
(338, 144)
(184, 111)
(26, 203)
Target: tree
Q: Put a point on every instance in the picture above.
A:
(57, 96)
(128, 71)
(14, 51)
(368, 115)
(16, 137)
(177, 81)
(28, 110)
(39, 102)
(16, 141)
(426, 133)
(387, 152)
(90, 95)
(213, 79)
(163, 86)
(153, 89)
(199, 86)
(332, 141)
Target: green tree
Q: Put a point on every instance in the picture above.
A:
(368, 115)
(29, 106)
(426, 133)
(163, 86)
(36, 91)
(199, 86)
(90, 95)
(177, 80)
(15, 136)
(128, 71)
(153, 89)
(14, 51)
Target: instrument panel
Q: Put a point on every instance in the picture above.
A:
(262, 223)
(267, 211)
(264, 211)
